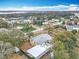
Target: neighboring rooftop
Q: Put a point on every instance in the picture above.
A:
(3, 30)
(72, 27)
(40, 39)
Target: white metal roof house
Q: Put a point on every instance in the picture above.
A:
(42, 48)
(72, 27)
(40, 39)
(38, 51)
(3, 30)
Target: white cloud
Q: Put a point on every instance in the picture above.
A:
(71, 7)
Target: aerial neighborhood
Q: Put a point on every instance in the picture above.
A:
(46, 35)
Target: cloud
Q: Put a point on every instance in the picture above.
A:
(71, 7)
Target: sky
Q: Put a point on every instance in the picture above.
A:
(40, 5)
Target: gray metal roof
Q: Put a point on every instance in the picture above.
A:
(3, 30)
(70, 27)
(40, 39)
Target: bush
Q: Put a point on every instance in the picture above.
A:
(74, 31)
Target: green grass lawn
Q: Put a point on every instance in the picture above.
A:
(28, 29)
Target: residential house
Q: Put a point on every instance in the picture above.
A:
(72, 27)
(40, 39)
(38, 47)
(3, 30)
(38, 51)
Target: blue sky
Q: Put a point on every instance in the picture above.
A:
(39, 5)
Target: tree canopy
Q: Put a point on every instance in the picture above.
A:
(4, 24)
(16, 37)
(64, 44)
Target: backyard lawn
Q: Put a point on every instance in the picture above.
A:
(28, 29)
